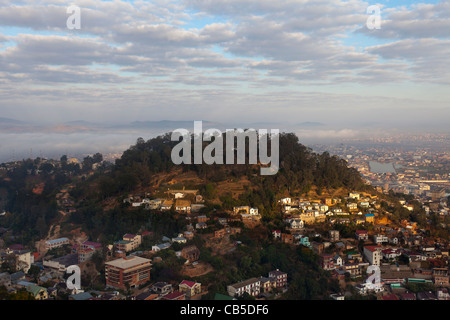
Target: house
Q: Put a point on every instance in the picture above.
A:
(190, 288)
(338, 261)
(354, 195)
(327, 262)
(370, 218)
(317, 247)
(179, 240)
(265, 284)
(333, 235)
(361, 235)
(373, 254)
(295, 223)
(352, 206)
(22, 259)
(353, 269)
(380, 238)
(251, 286)
(276, 234)
(135, 240)
(38, 292)
(390, 254)
(87, 249)
(161, 288)
(442, 294)
(241, 209)
(182, 206)
(166, 205)
(441, 277)
(161, 246)
(278, 278)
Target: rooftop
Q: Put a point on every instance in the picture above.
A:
(127, 262)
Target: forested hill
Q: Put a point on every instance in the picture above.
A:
(300, 169)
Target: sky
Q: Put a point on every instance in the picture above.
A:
(290, 61)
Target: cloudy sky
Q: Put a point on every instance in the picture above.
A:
(226, 60)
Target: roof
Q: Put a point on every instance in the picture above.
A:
(245, 283)
(81, 296)
(146, 296)
(127, 262)
(390, 297)
(174, 295)
(35, 289)
(372, 248)
(129, 236)
(188, 283)
(96, 245)
(57, 240)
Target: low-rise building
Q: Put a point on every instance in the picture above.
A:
(251, 286)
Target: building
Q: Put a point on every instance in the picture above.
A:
(380, 238)
(23, 260)
(251, 286)
(129, 271)
(162, 288)
(278, 278)
(190, 288)
(317, 247)
(56, 243)
(333, 235)
(182, 206)
(361, 235)
(370, 218)
(373, 254)
(135, 239)
(87, 249)
(61, 264)
(38, 292)
(327, 262)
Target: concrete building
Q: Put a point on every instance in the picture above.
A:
(131, 271)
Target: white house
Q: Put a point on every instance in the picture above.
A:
(380, 238)
(253, 211)
(295, 223)
(353, 195)
(338, 261)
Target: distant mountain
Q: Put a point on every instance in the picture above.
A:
(310, 124)
(9, 121)
(167, 124)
